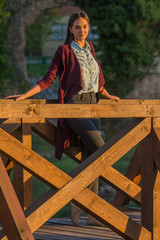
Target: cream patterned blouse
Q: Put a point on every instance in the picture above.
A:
(89, 68)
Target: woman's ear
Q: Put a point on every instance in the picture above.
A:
(70, 29)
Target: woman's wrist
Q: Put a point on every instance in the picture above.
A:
(101, 90)
(104, 92)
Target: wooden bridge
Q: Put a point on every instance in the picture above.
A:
(21, 217)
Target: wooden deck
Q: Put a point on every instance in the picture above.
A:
(63, 229)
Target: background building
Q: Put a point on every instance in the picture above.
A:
(59, 31)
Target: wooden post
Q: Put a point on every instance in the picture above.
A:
(11, 214)
(22, 179)
(27, 177)
(147, 182)
(156, 189)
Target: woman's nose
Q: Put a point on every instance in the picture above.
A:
(81, 30)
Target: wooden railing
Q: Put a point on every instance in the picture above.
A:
(19, 119)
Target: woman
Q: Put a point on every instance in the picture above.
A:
(80, 81)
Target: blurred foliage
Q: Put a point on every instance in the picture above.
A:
(129, 39)
(5, 68)
(39, 31)
(37, 70)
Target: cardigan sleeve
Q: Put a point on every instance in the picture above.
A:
(53, 71)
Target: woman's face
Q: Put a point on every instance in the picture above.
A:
(80, 29)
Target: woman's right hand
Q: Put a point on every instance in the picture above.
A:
(36, 89)
(16, 97)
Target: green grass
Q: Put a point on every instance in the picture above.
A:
(65, 164)
(122, 164)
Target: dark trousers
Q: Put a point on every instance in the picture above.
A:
(87, 128)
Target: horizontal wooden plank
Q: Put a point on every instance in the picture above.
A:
(63, 228)
(131, 101)
(29, 101)
(75, 232)
(113, 110)
(101, 101)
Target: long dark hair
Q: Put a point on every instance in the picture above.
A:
(74, 17)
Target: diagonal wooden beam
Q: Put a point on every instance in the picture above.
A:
(47, 130)
(31, 160)
(140, 129)
(94, 205)
(119, 145)
(11, 124)
(11, 214)
(7, 163)
(90, 173)
(133, 173)
(122, 184)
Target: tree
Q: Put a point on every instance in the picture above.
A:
(129, 39)
(4, 63)
(24, 13)
(38, 32)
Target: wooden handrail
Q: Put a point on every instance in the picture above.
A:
(105, 109)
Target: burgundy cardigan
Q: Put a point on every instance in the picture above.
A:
(66, 65)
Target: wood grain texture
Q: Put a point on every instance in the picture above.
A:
(74, 187)
(27, 177)
(11, 124)
(63, 229)
(11, 213)
(47, 131)
(156, 188)
(122, 183)
(101, 101)
(112, 110)
(147, 182)
(133, 173)
(156, 208)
